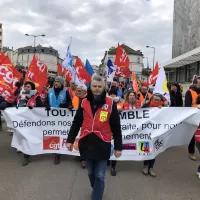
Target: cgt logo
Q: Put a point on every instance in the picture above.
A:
(51, 143)
(144, 148)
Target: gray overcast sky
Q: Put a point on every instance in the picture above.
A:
(94, 25)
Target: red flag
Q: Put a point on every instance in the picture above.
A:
(134, 83)
(154, 75)
(61, 70)
(16, 77)
(2, 57)
(37, 73)
(121, 57)
(123, 72)
(68, 75)
(6, 79)
(81, 72)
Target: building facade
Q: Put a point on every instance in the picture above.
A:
(185, 61)
(135, 58)
(1, 36)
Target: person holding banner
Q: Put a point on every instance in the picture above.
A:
(72, 88)
(131, 101)
(190, 101)
(30, 98)
(3, 105)
(58, 97)
(120, 104)
(157, 100)
(99, 120)
(144, 95)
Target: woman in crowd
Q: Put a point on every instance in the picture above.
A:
(156, 100)
(131, 101)
(28, 98)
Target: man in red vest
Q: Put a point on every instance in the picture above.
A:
(99, 120)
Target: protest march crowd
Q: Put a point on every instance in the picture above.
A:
(89, 93)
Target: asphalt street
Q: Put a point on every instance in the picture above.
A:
(42, 180)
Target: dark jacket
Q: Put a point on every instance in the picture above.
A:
(91, 146)
(57, 92)
(188, 96)
(3, 103)
(177, 96)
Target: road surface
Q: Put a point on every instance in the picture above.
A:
(42, 180)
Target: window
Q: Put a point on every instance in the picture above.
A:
(191, 71)
(28, 50)
(22, 57)
(181, 74)
(42, 50)
(28, 57)
(138, 60)
(172, 76)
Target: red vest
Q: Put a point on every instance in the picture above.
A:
(98, 124)
(197, 134)
(126, 106)
(31, 101)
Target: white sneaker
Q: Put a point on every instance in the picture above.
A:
(198, 174)
(9, 130)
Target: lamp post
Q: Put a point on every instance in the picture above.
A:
(147, 61)
(154, 52)
(35, 36)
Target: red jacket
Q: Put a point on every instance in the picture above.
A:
(197, 134)
(98, 124)
(31, 102)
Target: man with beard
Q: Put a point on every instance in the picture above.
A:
(58, 97)
(190, 101)
(99, 120)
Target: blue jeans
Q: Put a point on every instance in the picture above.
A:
(96, 172)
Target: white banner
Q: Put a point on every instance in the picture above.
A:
(145, 132)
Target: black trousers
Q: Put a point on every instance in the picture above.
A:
(26, 156)
(191, 146)
(0, 120)
(149, 163)
(113, 163)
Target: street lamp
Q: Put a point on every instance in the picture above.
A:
(154, 51)
(147, 61)
(34, 36)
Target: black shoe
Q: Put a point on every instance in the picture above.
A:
(113, 172)
(25, 162)
(57, 160)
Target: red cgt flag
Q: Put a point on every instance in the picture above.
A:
(61, 70)
(37, 73)
(2, 57)
(121, 57)
(68, 75)
(81, 72)
(123, 72)
(7, 71)
(154, 75)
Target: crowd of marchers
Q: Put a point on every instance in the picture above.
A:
(89, 103)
